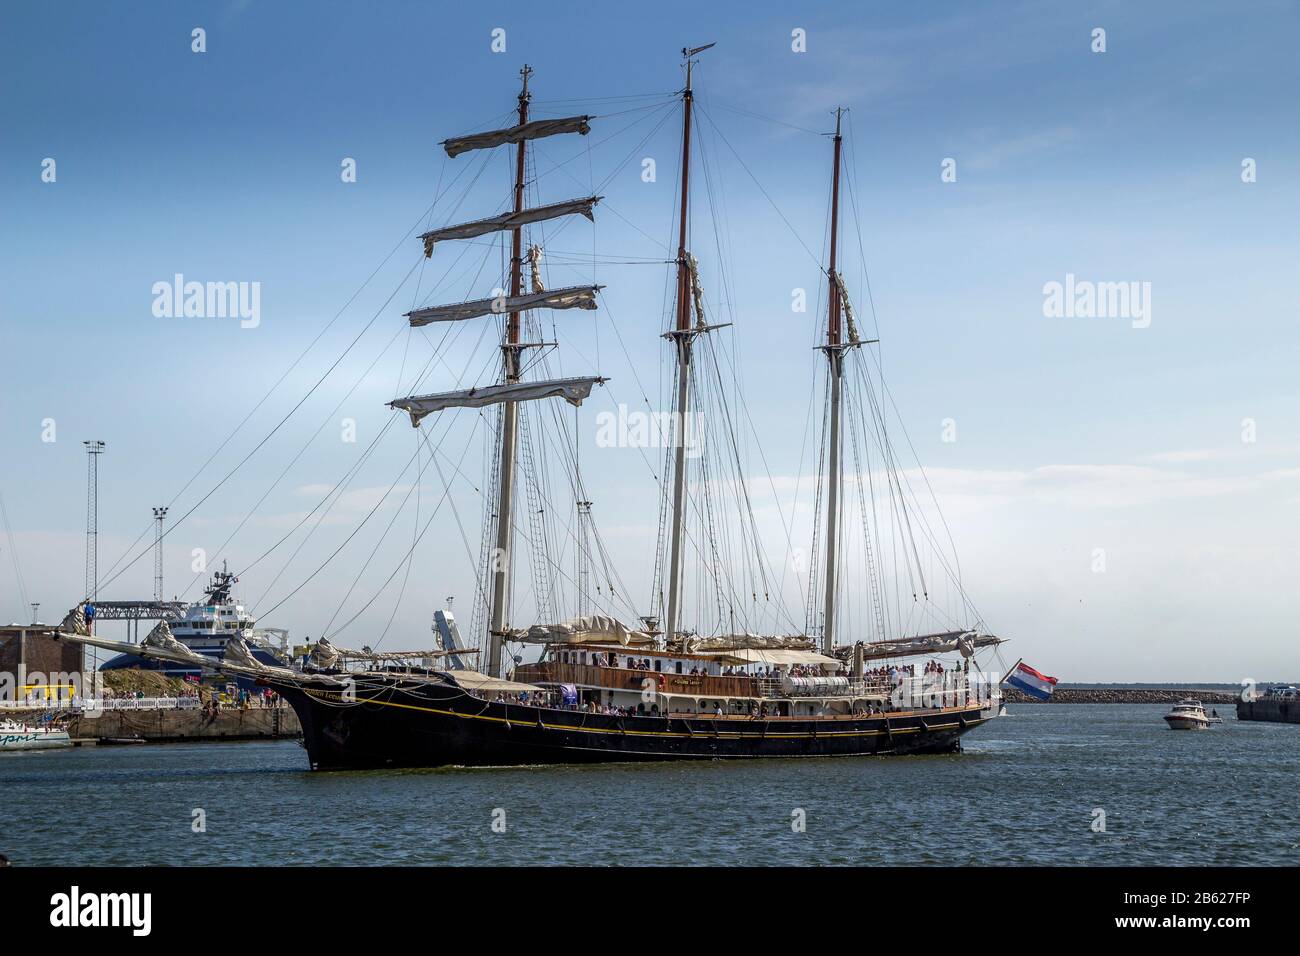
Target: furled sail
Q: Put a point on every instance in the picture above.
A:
(591, 629)
(732, 642)
(537, 129)
(572, 297)
(511, 220)
(535, 267)
(929, 644)
(161, 638)
(572, 390)
(854, 338)
(159, 646)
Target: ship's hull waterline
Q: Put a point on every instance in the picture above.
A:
(417, 724)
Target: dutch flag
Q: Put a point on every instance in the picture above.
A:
(1026, 679)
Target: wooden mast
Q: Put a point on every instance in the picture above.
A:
(835, 355)
(500, 560)
(681, 336)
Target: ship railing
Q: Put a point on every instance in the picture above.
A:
(948, 689)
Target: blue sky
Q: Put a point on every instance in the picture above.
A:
(1072, 434)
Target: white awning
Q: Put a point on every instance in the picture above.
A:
(592, 629)
(473, 680)
(572, 390)
(771, 656)
(537, 129)
(572, 297)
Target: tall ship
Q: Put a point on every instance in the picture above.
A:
(714, 664)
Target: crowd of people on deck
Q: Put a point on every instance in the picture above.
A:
(941, 688)
(890, 675)
(610, 659)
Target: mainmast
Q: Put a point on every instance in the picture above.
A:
(681, 335)
(835, 355)
(501, 557)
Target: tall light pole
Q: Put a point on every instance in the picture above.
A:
(159, 514)
(93, 450)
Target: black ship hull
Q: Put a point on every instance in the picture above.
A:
(403, 723)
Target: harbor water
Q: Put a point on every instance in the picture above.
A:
(1048, 784)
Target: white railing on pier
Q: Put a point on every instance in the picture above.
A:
(108, 703)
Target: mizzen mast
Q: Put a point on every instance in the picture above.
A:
(835, 356)
(681, 336)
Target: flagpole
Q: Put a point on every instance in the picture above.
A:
(1010, 672)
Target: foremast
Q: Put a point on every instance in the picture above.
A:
(501, 556)
(513, 389)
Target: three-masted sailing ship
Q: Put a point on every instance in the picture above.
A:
(602, 690)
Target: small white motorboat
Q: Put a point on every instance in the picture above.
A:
(20, 736)
(1190, 715)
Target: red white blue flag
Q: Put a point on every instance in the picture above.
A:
(1033, 683)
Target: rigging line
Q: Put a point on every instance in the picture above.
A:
(469, 552)
(764, 566)
(819, 485)
(926, 478)
(401, 593)
(578, 488)
(615, 96)
(608, 179)
(636, 109)
(343, 481)
(328, 501)
(272, 432)
(437, 450)
(552, 254)
(751, 175)
(873, 595)
(635, 377)
(13, 556)
(767, 470)
(409, 551)
(770, 119)
(428, 212)
(954, 575)
(302, 451)
(415, 295)
(857, 222)
(419, 475)
(604, 99)
(355, 531)
(538, 174)
(705, 544)
(853, 193)
(900, 505)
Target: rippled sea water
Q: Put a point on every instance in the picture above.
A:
(1024, 791)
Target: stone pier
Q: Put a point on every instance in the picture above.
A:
(163, 726)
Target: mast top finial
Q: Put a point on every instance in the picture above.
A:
(526, 72)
